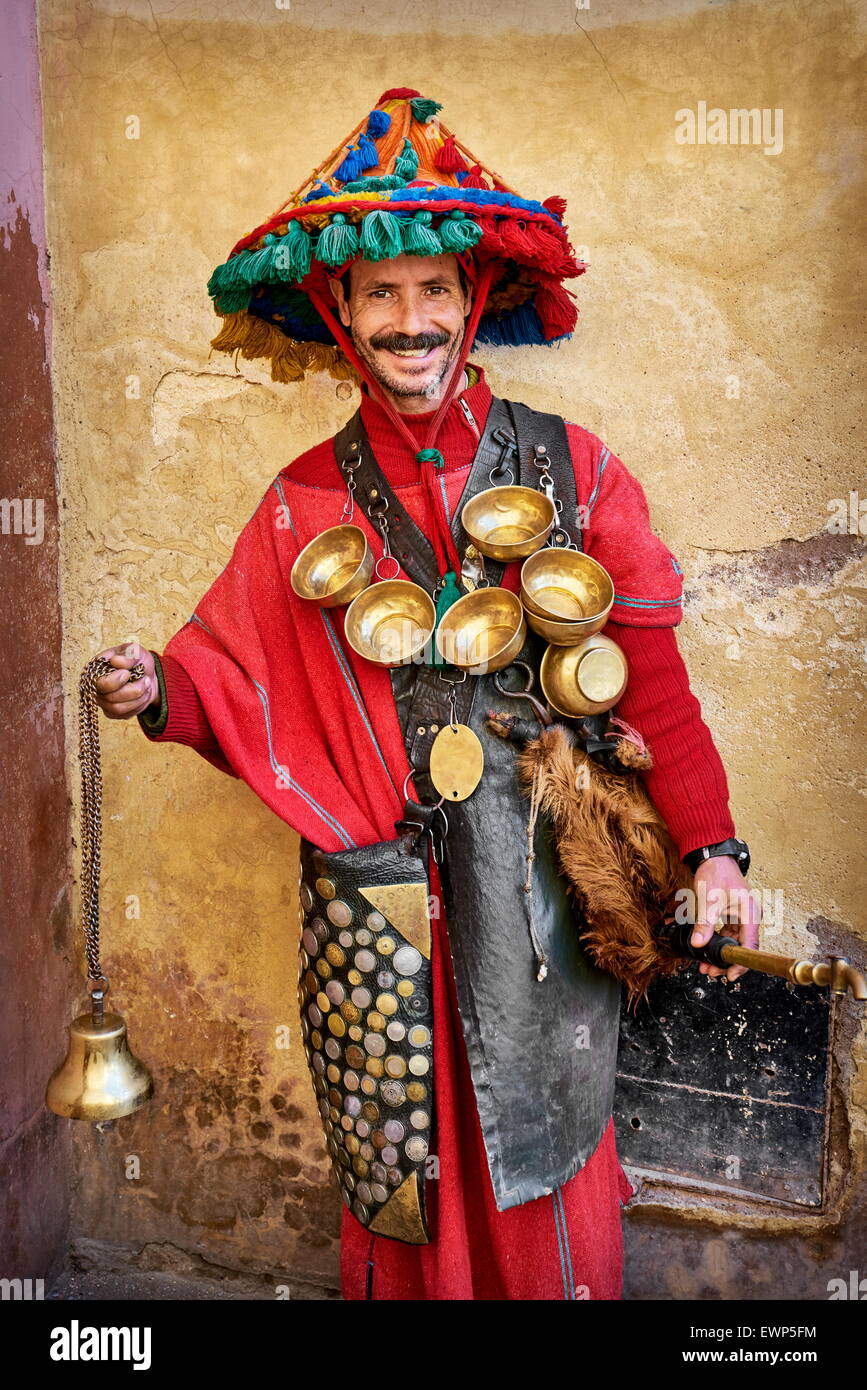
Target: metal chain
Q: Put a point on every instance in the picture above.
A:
(349, 467)
(91, 803)
(559, 538)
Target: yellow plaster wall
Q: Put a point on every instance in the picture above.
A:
(708, 263)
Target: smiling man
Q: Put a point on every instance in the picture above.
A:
(465, 1094)
(407, 320)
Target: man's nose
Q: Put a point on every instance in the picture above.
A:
(411, 317)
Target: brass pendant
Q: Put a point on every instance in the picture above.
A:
(456, 762)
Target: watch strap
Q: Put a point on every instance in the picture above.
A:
(736, 849)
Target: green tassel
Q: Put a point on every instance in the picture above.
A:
(232, 301)
(419, 238)
(380, 236)
(246, 269)
(406, 164)
(423, 108)
(338, 242)
(374, 184)
(457, 232)
(448, 595)
(292, 257)
(431, 456)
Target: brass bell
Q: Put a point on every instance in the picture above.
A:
(100, 1078)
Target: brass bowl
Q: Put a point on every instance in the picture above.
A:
(564, 634)
(509, 523)
(334, 568)
(390, 623)
(566, 586)
(585, 679)
(483, 631)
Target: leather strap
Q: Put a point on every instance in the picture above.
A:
(533, 427)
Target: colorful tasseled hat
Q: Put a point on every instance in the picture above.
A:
(400, 184)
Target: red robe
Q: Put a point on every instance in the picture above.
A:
(264, 687)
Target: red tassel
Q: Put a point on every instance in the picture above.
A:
(556, 205)
(475, 178)
(539, 245)
(398, 94)
(516, 243)
(555, 256)
(448, 159)
(492, 241)
(556, 310)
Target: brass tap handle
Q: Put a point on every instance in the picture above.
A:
(837, 973)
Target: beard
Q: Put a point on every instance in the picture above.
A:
(426, 388)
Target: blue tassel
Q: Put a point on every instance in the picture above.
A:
(378, 122)
(369, 153)
(299, 329)
(353, 165)
(319, 190)
(519, 327)
(484, 197)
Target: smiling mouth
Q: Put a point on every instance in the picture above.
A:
(418, 355)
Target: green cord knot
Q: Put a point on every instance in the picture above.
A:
(431, 456)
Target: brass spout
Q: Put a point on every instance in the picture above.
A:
(837, 972)
(841, 976)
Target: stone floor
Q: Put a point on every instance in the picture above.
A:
(76, 1286)
(98, 1271)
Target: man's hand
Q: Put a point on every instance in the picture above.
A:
(721, 890)
(117, 696)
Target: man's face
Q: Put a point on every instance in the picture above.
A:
(406, 319)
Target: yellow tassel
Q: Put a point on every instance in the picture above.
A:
(233, 332)
(342, 370)
(253, 337)
(285, 366)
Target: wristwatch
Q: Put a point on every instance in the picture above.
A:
(738, 849)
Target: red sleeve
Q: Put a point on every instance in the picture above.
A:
(687, 782)
(186, 720)
(615, 519)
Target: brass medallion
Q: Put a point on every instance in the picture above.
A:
(456, 762)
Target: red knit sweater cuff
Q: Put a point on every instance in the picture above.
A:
(687, 783)
(187, 722)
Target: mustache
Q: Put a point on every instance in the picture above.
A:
(400, 342)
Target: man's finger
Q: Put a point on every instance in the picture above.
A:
(129, 692)
(125, 656)
(112, 680)
(749, 911)
(713, 904)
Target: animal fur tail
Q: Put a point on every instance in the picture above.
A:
(616, 852)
